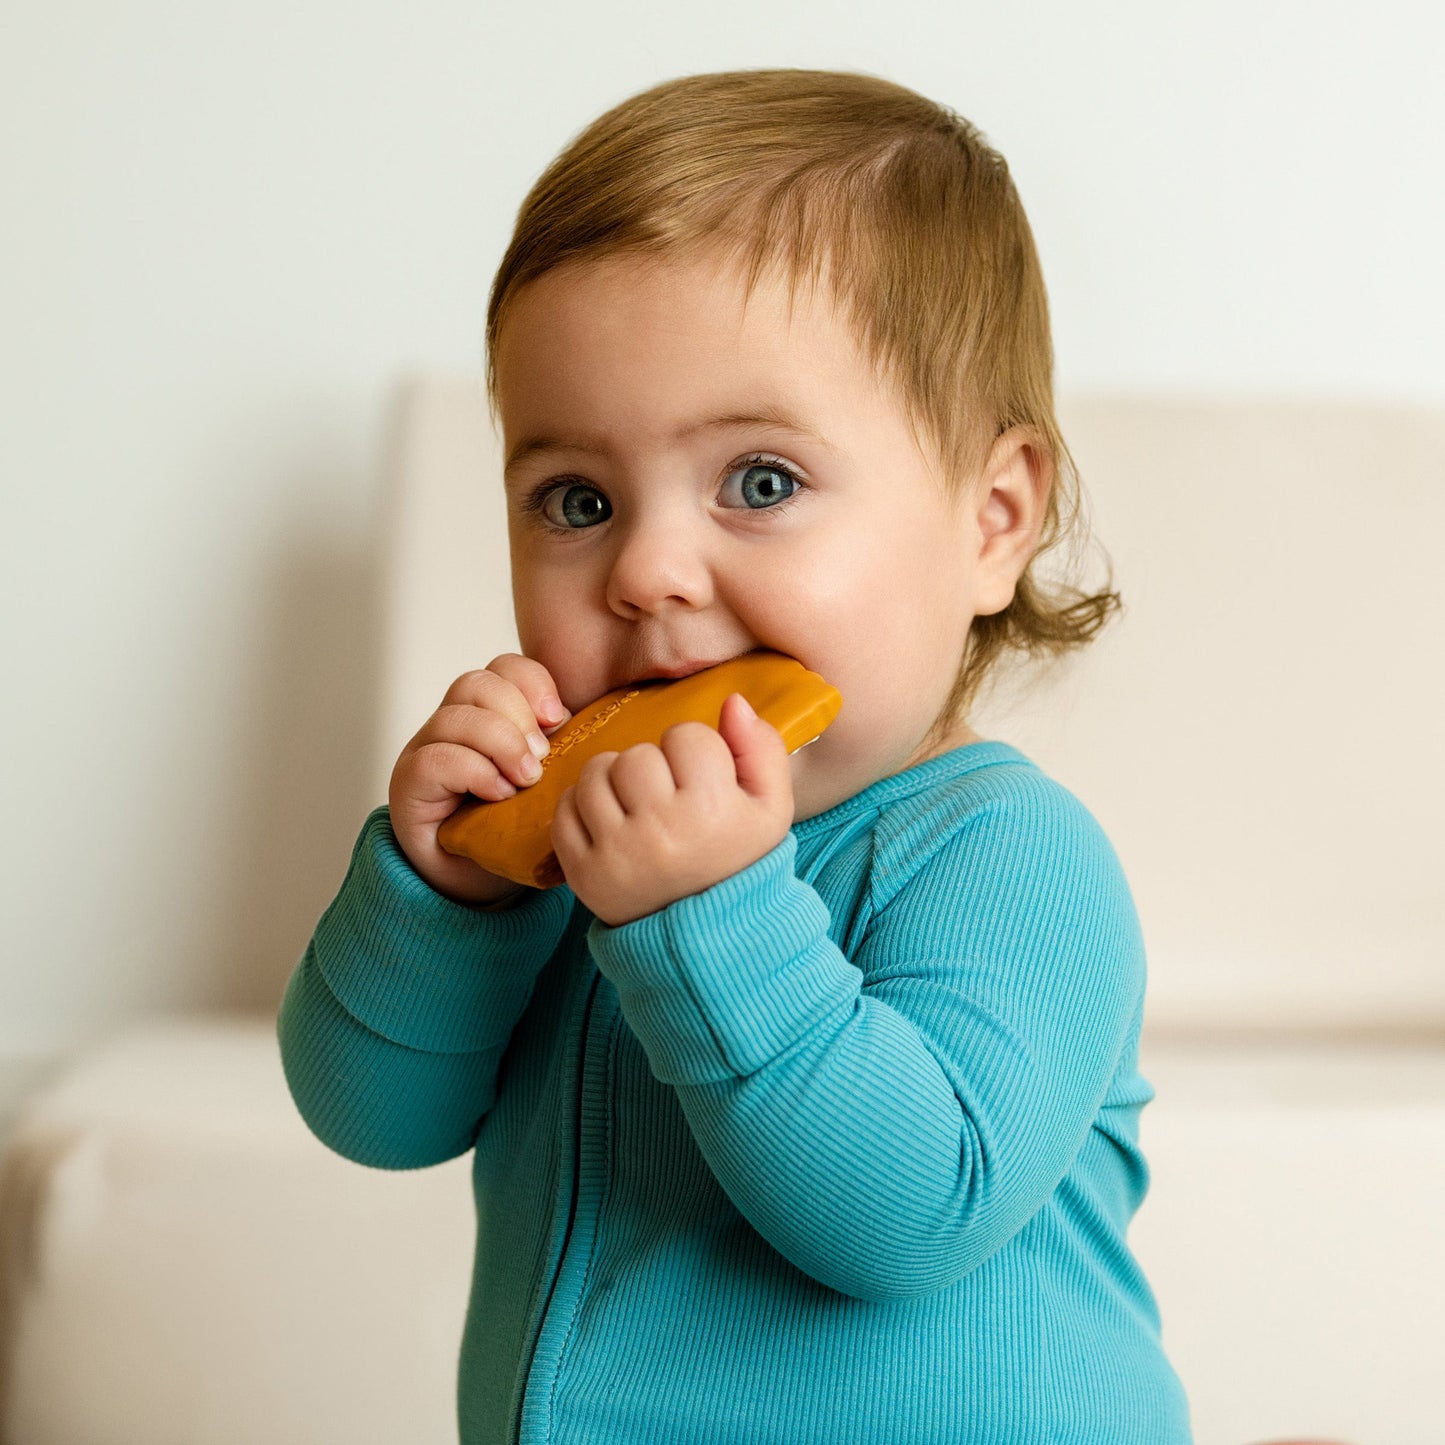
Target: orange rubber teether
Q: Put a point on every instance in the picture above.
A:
(512, 836)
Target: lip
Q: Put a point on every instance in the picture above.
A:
(658, 673)
(682, 669)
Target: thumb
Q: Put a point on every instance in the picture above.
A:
(759, 752)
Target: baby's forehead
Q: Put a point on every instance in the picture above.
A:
(774, 324)
(672, 301)
(716, 273)
(658, 343)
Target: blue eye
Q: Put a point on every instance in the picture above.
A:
(582, 505)
(760, 480)
(576, 503)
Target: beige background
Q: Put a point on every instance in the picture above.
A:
(231, 232)
(233, 239)
(1257, 731)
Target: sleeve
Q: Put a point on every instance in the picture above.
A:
(394, 1022)
(888, 1122)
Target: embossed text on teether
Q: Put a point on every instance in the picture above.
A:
(565, 746)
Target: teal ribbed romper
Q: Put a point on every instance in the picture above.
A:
(842, 1149)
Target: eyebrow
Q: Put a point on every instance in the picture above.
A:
(767, 415)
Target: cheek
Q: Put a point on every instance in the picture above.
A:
(833, 571)
(542, 596)
(838, 595)
(555, 635)
(534, 625)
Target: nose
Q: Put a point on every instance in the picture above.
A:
(659, 566)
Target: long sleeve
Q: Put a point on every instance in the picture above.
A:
(395, 1020)
(888, 1121)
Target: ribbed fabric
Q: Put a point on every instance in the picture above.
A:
(842, 1149)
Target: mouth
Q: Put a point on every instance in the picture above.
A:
(681, 669)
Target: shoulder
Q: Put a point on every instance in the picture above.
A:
(1002, 870)
(1004, 825)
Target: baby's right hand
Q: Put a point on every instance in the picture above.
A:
(475, 742)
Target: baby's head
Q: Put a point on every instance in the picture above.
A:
(820, 286)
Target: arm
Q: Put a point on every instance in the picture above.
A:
(395, 1020)
(888, 1122)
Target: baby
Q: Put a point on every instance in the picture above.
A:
(806, 1110)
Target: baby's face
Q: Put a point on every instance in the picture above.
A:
(666, 522)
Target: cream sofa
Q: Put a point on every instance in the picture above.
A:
(183, 1263)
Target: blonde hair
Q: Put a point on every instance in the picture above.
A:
(915, 220)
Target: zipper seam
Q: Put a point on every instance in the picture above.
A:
(571, 1215)
(609, 1049)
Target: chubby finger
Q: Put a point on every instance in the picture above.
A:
(482, 694)
(592, 797)
(697, 756)
(537, 686)
(567, 830)
(760, 756)
(439, 770)
(514, 686)
(640, 778)
(491, 735)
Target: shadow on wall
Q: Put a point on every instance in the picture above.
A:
(302, 785)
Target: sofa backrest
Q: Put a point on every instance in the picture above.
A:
(1258, 731)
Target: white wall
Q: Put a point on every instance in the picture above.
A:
(229, 231)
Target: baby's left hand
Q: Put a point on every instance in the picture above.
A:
(642, 828)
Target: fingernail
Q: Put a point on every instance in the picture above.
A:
(552, 711)
(748, 706)
(539, 745)
(530, 770)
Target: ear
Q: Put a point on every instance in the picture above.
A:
(1012, 496)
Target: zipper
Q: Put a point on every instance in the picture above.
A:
(516, 1432)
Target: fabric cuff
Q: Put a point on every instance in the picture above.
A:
(422, 970)
(717, 984)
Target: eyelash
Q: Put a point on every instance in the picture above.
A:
(536, 499)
